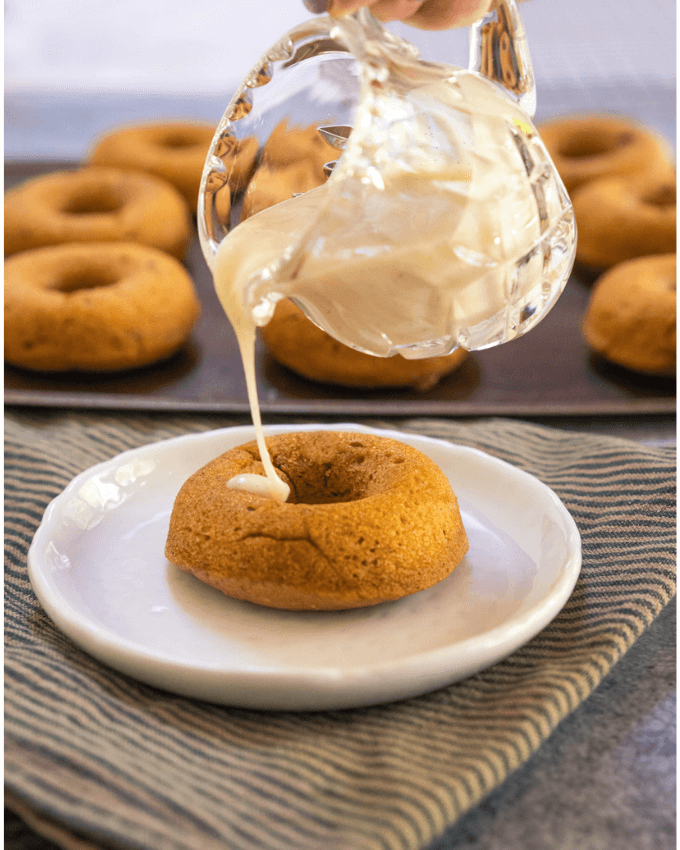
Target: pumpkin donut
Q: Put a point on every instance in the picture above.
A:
(297, 343)
(175, 151)
(238, 157)
(270, 186)
(292, 162)
(289, 145)
(619, 218)
(631, 315)
(97, 307)
(589, 146)
(94, 204)
(369, 519)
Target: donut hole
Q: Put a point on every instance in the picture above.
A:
(661, 196)
(76, 280)
(101, 200)
(178, 141)
(585, 145)
(327, 485)
(353, 475)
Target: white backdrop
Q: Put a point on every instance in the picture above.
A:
(196, 46)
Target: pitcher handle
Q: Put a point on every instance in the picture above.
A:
(499, 50)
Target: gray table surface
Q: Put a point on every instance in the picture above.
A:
(605, 779)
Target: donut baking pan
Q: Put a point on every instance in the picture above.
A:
(548, 372)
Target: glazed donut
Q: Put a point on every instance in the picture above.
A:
(586, 147)
(94, 204)
(619, 218)
(369, 520)
(631, 315)
(297, 343)
(175, 151)
(97, 307)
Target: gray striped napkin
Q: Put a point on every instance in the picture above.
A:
(95, 759)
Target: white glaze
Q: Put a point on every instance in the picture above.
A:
(259, 485)
(244, 327)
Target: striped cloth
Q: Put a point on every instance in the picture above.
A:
(95, 759)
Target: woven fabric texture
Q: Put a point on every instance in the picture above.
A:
(101, 760)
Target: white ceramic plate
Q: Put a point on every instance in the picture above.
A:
(97, 566)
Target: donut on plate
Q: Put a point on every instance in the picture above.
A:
(175, 151)
(95, 307)
(297, 343)
(95, 204)
(588, 146)
(619, 218)
(369, 519)
(631, 315)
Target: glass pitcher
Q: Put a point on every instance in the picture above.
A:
(409, 207)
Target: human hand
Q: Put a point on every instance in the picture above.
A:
(423, 14)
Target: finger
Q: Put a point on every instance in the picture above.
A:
(395, 10)
(337, 8)
(317, 7)
(422, 14)
(443, 14)
(385, 10)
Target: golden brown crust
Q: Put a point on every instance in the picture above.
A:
(94, 204)
(590, 146)
(173, 150)
(291, 145)
(369, 519)
(631, 316)
(270, 186)
(95, 307)
(619, 218)
(296, 342)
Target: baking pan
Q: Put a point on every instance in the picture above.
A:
(547, 372)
